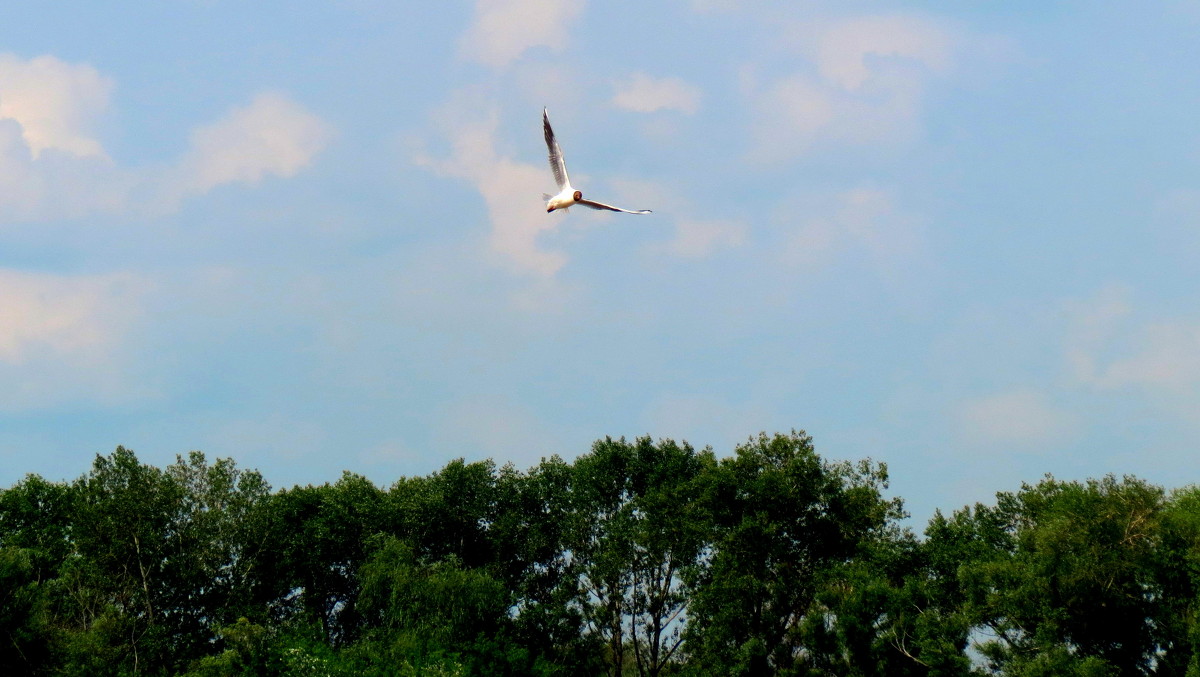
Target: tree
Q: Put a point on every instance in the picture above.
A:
(878, 614)
(122, 584)
(636, 536)
(529, 533)
(1061, 576)
(159, 561)
(1176, 564)
(784, 523)
(34, 543)
(318, 540)
(220, 528)
(434, 612)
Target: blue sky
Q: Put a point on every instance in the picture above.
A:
(960, 240)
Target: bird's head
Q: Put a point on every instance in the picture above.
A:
(578, 195)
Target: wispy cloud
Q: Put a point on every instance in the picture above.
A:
(502, 30)
(272, 136)
(1022, 418)
(1107, 349)
(52, 165)
(642, 93)
(62, 338)
(699, 238)
(1113, 350)
(865, 218)
(55, 103)
(851, 52)
(865, 85)
(510, 189)
(68, 317)
(1163, 355)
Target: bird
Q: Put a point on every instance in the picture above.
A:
(568, 196)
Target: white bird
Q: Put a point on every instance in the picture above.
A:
(567, 196)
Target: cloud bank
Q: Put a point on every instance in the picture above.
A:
(510, 190)
(55, 103)
(52, 164)
(502, 30)
(272, 136)
(865, 84)
(642, 93)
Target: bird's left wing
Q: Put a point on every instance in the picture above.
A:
(601, 205)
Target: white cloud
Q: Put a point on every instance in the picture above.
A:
(696, 238)
(846, 54)
(272, 136)
(503, 29)
(1110, 348)
(1017, 417)
(1150, 365)
(78, 318)
(56, 184)
(63, 339)
(55, 102)
(1163, 355)
(642, 93)
(1107, 349)
(867, 85)
(870, 217)
(788, 115)
(53, 166)
(863, 219)
(510, 189)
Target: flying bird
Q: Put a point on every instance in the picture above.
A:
(567, 196)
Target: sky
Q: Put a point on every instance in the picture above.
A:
(960, 239)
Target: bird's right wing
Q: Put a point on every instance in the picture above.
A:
(557, 165)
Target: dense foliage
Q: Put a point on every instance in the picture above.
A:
(639, 558)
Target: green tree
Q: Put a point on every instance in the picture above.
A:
(784, 526)
(220, 528)
(1177, 571)
(529, 532)
(1060, 576)
(435, 613)
(636, 538)
(24, 645)
(880, 614)
(35, 517)
(318, 538)
(121, 586)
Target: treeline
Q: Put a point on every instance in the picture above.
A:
(638, 558)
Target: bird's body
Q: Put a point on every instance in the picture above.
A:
(568, 196)
(564, 200)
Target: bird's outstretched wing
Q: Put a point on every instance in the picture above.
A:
(601, 205)
(557, 165)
